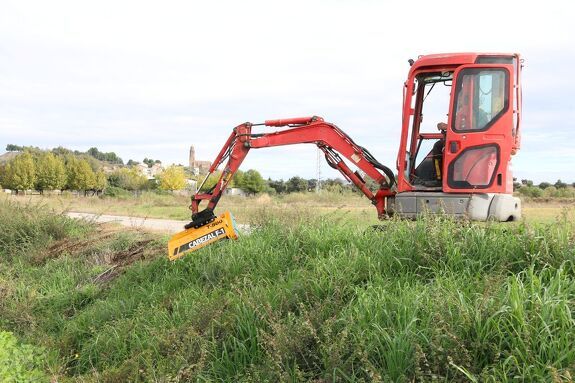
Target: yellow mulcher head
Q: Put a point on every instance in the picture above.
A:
(195, 238)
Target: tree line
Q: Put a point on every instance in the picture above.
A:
(559, 189)
(44, 170)
(109, 157)
(252, 182)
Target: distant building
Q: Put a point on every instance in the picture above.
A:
(235, 191)
(109, 168)
(150, 172)
(197, 167)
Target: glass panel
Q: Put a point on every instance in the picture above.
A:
(494, 60)
(428, 163)
(481, 97)
(474, 167)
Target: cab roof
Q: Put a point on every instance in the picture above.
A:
(452, 59)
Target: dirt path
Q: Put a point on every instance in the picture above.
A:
(155, 224)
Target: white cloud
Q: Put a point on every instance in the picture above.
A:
(147, 78)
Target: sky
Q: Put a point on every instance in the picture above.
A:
(151, 78)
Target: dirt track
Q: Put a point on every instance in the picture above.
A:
(153, 224)
(164, 225)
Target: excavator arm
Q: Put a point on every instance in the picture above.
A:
(205, 228)
(331, 140)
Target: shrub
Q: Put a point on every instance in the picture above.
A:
(20, 363)
(114, 191)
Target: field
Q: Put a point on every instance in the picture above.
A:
(247, 209)
(312, 294)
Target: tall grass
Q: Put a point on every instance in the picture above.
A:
(309, 298)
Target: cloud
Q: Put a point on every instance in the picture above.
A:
(148, 79)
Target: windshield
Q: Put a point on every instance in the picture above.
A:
(436, 94)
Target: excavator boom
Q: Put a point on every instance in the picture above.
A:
(331, 140)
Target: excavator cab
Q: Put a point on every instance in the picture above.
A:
(432, 92)
(480, 109)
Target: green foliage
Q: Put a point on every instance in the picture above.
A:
(530, 191)
(101, 181)
(117, 192)
(212, 180)
(150, 162)
(296, 184)
(302, 298)
(20, 173)
(251, 181)
(20, 363)
(526, 182)
(26, 227)
(278, 185)
(80, 175)
(173, 178)
(110, 157)
(128, 179)
(14, 148)
(566, 192)
(237, 179)
(50, 172)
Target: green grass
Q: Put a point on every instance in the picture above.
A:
(305, 297)
(355, 207)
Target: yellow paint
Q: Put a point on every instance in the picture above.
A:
(193, 239)
(437, 169)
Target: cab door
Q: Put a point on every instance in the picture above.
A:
(480, 126)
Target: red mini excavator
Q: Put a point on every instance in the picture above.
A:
(457, 161)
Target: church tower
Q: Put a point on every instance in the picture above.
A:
(193, 164)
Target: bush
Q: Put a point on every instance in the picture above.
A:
(531, 191)
(25, 227)
(114, 191)
(20, 363)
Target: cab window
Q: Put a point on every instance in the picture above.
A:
(481, 98)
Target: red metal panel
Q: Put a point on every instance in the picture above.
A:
(462, 136)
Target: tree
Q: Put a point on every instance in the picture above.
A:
(252, 182)
(279, 186)
(80, 175)
(14, 148)
(560, 184)
(173, 178)
(526, 182)
(20, 173)
(150, 162)
(237, 180)
(61, 151)
(128, 178)
(311, 183)
(212, 180)
(337, 185)
(101, 181)
(544, 185)
(108, 157)
(50, 172)
(132, 163)
(296, 184)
